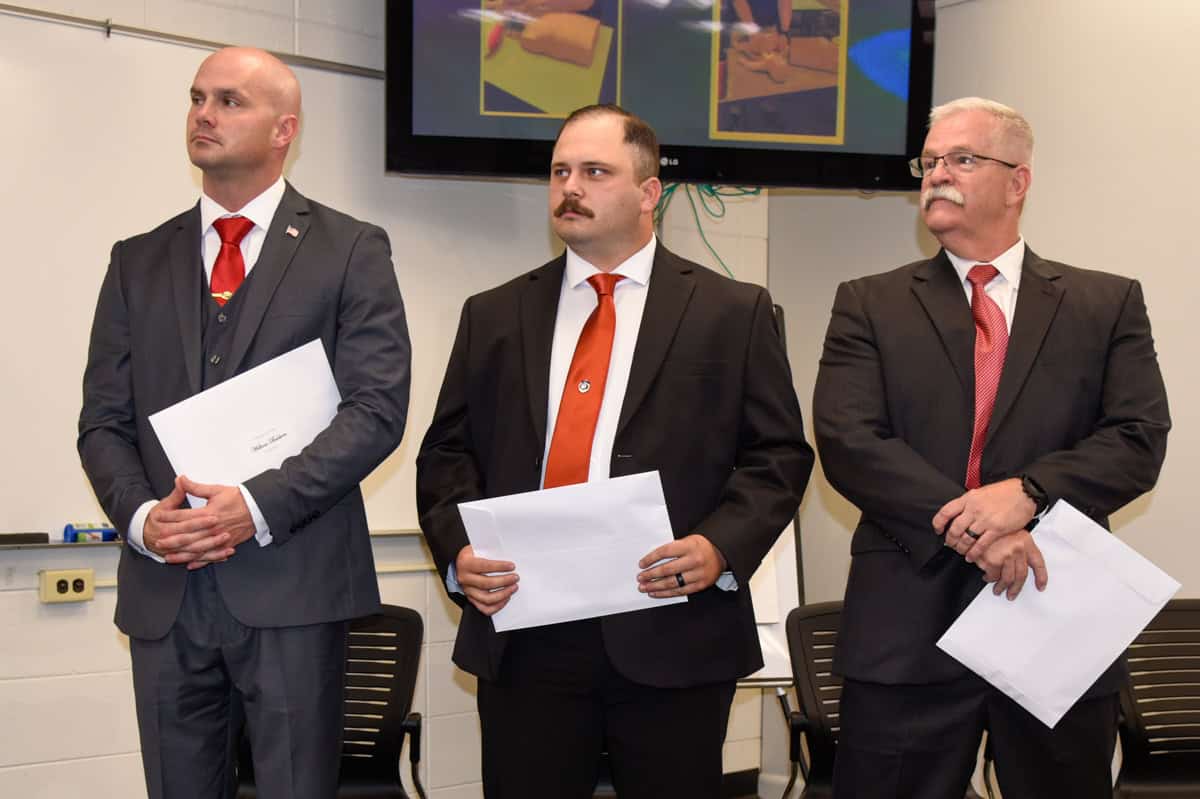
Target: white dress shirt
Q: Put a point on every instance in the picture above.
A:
(1002, 289)
(260, 211)
(576, 301)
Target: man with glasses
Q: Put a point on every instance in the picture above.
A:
(957, 398)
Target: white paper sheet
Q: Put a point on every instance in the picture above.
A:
(576, 548)
(1044, 649)
(252, 421)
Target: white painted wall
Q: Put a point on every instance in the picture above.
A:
(93, 137)
(1107, 87)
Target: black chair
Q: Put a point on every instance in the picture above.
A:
(812, 633)
(381, 675)
(1160, 707)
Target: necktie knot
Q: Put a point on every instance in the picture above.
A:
(982, 274)
(604, 283)
(232, 229)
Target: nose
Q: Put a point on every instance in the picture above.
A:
(202, 113)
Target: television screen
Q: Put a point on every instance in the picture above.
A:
(823, 93)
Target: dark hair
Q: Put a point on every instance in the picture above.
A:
(637, 132)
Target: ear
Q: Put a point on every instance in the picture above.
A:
(287, 127)
(651, 189)
(1018, 185)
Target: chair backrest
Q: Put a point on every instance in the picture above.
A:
(812, 633)
(382, 655)
(1160, 705)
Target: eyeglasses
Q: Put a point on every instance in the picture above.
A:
(957, 161)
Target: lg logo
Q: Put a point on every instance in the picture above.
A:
(664, 161)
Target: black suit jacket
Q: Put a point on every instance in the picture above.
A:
(334, 281)
(710, 405)
(1081, 409)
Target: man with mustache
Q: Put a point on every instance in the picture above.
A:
(957, 398)
(239, 608)
(615, 358)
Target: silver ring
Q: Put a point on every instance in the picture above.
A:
(973, 534)
(679, 580)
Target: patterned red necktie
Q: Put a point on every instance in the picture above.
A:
(991, 345)
(575, 427)
(229, 270)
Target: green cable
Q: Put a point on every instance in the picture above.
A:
(711, 199)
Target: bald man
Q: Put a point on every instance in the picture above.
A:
(241, 605)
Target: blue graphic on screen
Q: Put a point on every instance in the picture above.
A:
(884, 59)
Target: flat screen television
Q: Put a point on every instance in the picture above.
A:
(815, 93)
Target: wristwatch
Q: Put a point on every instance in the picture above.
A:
(1041, 500)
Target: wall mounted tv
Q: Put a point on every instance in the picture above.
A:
(819, 93)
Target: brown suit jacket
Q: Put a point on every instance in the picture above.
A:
(1081, 409)
(710, 405)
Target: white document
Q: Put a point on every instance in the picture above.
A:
(575, 547)
(252, 421)
(1044, 649)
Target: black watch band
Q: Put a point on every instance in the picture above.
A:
(1041, 500)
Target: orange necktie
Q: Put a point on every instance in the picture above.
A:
(571, 447)
(991, 345)
(229, 270)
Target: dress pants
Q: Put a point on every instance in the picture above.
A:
(193, 686)
(921, 742)
(559, 702)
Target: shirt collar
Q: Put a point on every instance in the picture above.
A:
(1007, 263)
(636, 267)
(260, 210)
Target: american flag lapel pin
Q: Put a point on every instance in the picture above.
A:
(292, 231)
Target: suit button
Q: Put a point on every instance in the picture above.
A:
(221, 318)
(215, 360)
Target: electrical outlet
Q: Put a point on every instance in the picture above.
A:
(66, 585)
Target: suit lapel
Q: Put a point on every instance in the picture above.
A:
(187, 285)
(670, 290)
(1037, 302)
(288, 229)
(538, 310)
(936, 285)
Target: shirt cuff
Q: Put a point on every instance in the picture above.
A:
(452, 583)
(727, 582)
(134, 533)
(262, 533)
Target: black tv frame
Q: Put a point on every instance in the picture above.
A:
(530, 158)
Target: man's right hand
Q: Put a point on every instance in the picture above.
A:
(184, 535)
(488, 584)
(1006, 564)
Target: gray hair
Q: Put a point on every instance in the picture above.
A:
(1015, 130)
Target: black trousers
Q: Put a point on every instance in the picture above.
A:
(192, 687)
(921, 742)
(559, 702)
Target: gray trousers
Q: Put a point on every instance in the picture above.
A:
(194, 686)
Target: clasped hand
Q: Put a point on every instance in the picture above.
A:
(987, 526)
(198, 536)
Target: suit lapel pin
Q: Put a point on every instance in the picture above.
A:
(292, 231)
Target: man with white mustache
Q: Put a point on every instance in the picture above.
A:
(957, 398)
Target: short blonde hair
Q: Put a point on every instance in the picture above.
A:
(1015, 130)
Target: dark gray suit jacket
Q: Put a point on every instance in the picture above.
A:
(710, 405)
(1081, 409)
(333, 281)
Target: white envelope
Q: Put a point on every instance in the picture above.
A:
(252, 421)
(576, 547)
(1044, 649)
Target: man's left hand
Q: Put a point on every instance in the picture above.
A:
(988, 513)
(233, 517)
(693, 558)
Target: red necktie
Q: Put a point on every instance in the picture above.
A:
(229, 270)
(991, 344)
(571, 447)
